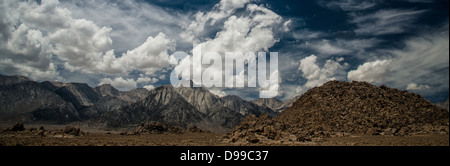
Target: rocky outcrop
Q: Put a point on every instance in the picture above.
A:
(18, 127)
(72, 130)
(155, 127)
(339, 109)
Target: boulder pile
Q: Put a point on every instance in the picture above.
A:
(339, 109)
(155, 127)
(68, 132)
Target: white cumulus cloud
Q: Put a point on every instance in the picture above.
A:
(149, 87)
(38, 37)
(220, 11)
(253, 30)
(374, 72)
(414, 86)
(317, 76)
(120, 83)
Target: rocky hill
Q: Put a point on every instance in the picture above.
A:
(342, 108)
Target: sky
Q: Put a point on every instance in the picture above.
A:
(129, 44)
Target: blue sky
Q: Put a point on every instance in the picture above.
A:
(402, 43)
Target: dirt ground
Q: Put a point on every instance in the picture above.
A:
(191, 139)
(101, 137)
(363, 140)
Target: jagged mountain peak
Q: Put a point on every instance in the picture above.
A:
(81, 95)
(275, 102)
(181, 106)
(134, 95)
(52, 86)
(232, 97)
(107, 90)
(245, 107)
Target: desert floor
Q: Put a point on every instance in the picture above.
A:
(118, 137)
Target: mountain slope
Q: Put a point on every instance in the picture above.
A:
(162, 104)
(29, 100)
(272, 103)
(275, 104)
(210, 105)
(244, 107)
(105, 104)
(107, 90)
(80, 95)
(112, 100)
(166, 104)
(133, 95)
(68, 102)
(200, 98)
(287, 104)
(8, 80)
(53, 86)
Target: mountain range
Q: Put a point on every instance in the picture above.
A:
(25, 100)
